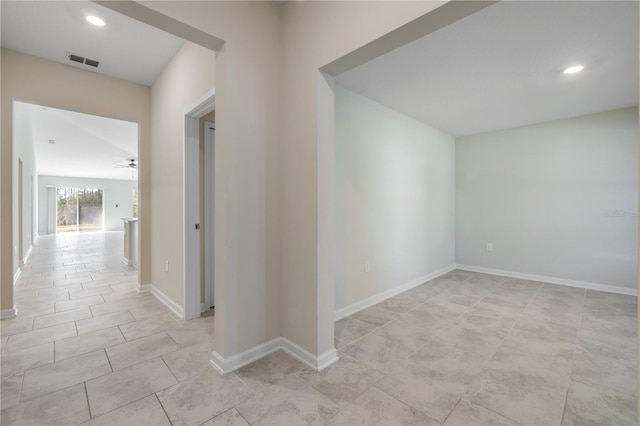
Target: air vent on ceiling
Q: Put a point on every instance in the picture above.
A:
(82, 60)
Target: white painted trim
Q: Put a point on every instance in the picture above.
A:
(387, 294)
(317, 363)
(232, 363)
(227, 365)
(9, 313)
(16, 276)
(190, 202)
(169, 303)
(26, 256)
(209, 213)
(551, 280)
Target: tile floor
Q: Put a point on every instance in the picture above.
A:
(463, 349)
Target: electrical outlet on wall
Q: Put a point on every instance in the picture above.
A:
(166, 266)
(367, 266)
(489, 246)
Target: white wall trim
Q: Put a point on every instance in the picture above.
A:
(9, 313)
(16, 276)
(227, 365)
(370, 301)
(317, 363)
(26, 256)
(169, 303)
(551, 280)
(232, 363)
(190, 202)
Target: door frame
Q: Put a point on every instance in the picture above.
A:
(209, 212)
(191, 202)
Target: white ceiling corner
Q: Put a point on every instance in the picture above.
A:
(126, 48)
(502, 66)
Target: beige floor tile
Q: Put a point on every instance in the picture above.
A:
(229, 418)
(465, 414)
(15, 325)
(64, 407)
(610, 302)
(422, 293)
(432, 380)
(189, 362)
(270, 370)
(111, 307)
(596, 405)
(458, 275)
(495, 309)
(544, 327)
(479, 278)
(525, 387)
(194, 332)
(477, 335)
(146, 411)
(289, 402)
(124, 288)
(406, 332)
(40, 337)
(88, 342)
(399, 304)
(59, 375)
(13, 362)
(104, 321)
(374, 407)
(138, 329)
(61, 289)
(343, 381)
(350, 329)
(122, 387)
(436, 313)
(36, 310)
(145, 348)
(375, 316)
(376, 352)
(10, 388)
(93, 291)
(203, 397)
(50, 320)
(613, 369)
(79, 303)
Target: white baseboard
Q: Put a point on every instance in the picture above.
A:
(370, 301)
(177, 309)
(9, 313)
(16, 276)
(227, 365)
(26, 256)
(552, 280)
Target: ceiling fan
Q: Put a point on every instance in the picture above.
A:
(132, 165)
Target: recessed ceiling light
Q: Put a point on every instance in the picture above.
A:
(574, 69)
(95, 21)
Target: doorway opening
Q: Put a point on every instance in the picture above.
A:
(197, 259)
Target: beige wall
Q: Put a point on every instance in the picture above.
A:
(189, 75)
(42, 82)
(247, 77)
(315, 34)
(267, 156)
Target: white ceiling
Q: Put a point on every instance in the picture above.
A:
(85, 145)
(125, 48)
(503, 67)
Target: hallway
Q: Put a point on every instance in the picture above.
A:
(464, 348)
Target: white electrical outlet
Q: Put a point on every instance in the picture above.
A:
(489, 246)
(166, 266)
(367, 266)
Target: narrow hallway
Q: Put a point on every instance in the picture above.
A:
(84, 337)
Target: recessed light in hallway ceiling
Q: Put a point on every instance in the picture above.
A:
(94, 20)
(574, 69)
